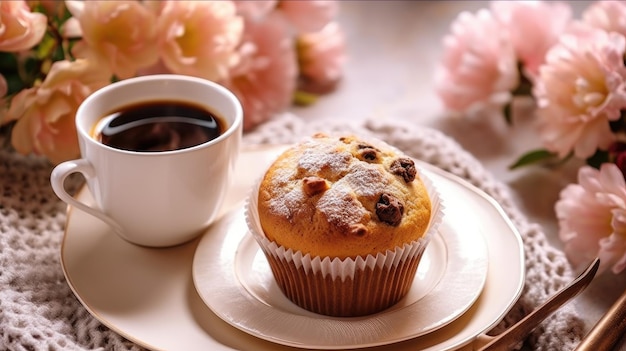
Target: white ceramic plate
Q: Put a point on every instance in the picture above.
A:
(148, 295)
(233, 277)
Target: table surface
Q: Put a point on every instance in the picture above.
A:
(393, 48)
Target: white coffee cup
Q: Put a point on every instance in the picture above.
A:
(155, 199)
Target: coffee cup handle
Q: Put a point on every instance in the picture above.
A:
(57, 179)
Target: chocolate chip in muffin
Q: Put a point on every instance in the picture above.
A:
(314, 185)
(389, 209)
(405, 168)
(367, 152)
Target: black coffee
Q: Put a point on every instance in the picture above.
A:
(158, 126)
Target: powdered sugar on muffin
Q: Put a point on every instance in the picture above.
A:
(343, 197)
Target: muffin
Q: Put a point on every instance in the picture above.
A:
(343, 222)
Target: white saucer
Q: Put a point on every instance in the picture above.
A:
(148, 295)
(233, 277)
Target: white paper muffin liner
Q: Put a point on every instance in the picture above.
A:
(348, 287)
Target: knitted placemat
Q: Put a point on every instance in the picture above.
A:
(38, 311)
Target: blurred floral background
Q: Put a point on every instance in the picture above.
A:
(574, 71)
(274, 54)
(53, 54)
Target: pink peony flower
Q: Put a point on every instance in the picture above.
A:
(479, 66)
(607, 15)
(592, 217)
(20, 29)
(533, 27)
(199, 38)
(45, 114)
(321, 56)
(255, 9)
(309, 15)
(265, 78)
(157, 68)
(119, 33)
(579, 90)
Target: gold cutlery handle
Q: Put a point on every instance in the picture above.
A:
(511, 337)
(609, 329)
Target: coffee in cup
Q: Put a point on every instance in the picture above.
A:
(158, 126)
(158, 153)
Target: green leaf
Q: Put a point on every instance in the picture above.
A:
(534, 157)
(508, 114)
(46, 47)
(598, 159)
(302, 98)
(14, 83)
(8, 62)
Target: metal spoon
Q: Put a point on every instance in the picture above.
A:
(518, 332)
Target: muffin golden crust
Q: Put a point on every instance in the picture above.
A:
(342, 197)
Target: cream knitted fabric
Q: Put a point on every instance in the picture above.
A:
(39, 312)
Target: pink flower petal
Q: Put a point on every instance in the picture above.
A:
(592, 217)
